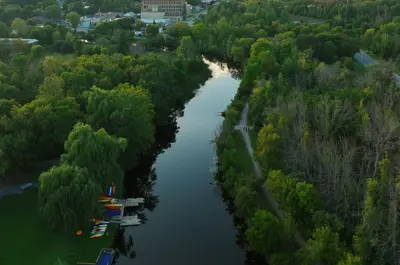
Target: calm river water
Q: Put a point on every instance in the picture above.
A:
(186, 221)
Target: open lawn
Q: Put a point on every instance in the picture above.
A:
(244, 164)
(26, 240)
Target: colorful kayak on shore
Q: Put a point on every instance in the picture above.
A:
(99, 227)
(113, 207)
(114, 204)
(97, 231)
(96, 235)
(100, 224)
(99, 221)
(104, 200)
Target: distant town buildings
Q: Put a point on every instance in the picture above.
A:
(188, 9)
(89, 22)
(163, 9)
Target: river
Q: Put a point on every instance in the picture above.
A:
(185, 219)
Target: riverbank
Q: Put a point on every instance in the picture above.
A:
(241, 176)
(25, 239)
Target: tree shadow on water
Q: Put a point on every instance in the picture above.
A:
(123, 245)
(140, 182)
(251, 258)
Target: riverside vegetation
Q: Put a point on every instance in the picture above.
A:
(327, 129)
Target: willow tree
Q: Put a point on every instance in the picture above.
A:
(98, 152)
(126, 111)
(67, 196)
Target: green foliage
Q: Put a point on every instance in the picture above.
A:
(187, 48)
(266, 233)
(39, 129)
(268, 147)
(317, 120)
(245, 201)
(349, 259)
(379, 219)
(97, 151)
(68, 193)
(125, 111)
(73, 18)
(322, 248)
(298, 198)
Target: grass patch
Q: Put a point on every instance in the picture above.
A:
(253, 139)
(25, 238)
(244, 163)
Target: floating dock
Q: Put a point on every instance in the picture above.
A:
(127, 221)
(130, 202)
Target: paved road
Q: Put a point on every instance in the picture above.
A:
(257, 169)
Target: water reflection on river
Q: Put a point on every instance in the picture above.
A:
(185, 219)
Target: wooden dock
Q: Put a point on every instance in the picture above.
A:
(127, 220)
(130, 202)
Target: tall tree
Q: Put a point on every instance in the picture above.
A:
(322, 249)
(53, 12)
(20, 26)
(125, 111)
(74, 18)
(98, 152)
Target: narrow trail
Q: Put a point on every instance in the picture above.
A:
(257, 169)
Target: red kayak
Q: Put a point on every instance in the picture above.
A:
(105, 195)
(112, 208)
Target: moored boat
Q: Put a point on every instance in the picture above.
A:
(97, 235)
(112, 213)
(106, 256)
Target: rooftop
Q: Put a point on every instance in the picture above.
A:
(156, 20)
(10, 40)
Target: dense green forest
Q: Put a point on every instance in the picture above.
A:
(325, 129)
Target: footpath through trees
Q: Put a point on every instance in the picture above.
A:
(242, 127)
